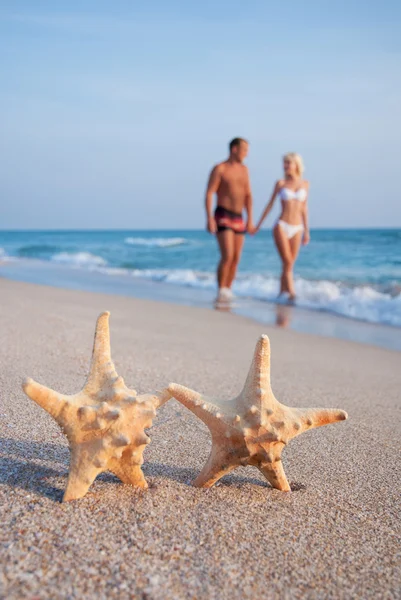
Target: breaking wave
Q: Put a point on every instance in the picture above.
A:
(362, 302)
(79, 259)
(155, 242)
(3, 254)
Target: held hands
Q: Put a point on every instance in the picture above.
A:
(211, 225)
(252, 229)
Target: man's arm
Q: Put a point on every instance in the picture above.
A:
(249, 204)
(212, 187)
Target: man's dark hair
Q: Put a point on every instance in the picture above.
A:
(236, 142)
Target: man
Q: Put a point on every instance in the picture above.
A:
(229, 180)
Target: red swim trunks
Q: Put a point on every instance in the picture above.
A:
(227, 219)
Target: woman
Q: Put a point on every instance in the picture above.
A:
(292, 227)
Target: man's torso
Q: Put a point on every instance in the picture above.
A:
(233, 188)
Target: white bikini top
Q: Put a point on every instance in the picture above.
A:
(287, 194)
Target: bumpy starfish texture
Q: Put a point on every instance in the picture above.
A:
(105, 422)
(253, 428)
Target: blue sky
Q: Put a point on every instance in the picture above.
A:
(114, 112)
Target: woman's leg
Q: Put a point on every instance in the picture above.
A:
(284, 250)
(295, 244)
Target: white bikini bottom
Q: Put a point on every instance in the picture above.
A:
(290, 230)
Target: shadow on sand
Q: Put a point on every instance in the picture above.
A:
(18, 469)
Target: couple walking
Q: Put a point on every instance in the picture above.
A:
(230, 182)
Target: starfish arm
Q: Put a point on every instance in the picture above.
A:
(309, 418)
(82, 474)
(163, 397)
(102, 367)
(196, 403)
(129, 474)
(51, 401)
(219, 464)
(259, 373)
(274, 473)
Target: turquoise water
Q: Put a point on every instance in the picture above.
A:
(355, 273)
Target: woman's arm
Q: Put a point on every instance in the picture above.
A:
(305, 219)
(249, 205)
(268, 208)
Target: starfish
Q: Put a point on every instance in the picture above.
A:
(253, 428)
(105, 422)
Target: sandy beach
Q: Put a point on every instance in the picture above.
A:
(336, 535)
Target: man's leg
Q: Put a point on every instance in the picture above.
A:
(226, 241)
(239, 239)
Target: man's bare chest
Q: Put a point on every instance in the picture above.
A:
(233, 179)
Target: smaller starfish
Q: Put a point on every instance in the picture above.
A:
(253, 428)
(104, 423)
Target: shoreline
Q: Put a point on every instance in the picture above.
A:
(336, 535)
(296, 318)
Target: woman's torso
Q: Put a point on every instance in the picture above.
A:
(293, 198)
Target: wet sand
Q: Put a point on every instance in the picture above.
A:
(336, 535)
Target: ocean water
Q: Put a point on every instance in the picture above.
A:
(354, 273)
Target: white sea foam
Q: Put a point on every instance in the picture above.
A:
(155, 242)
(360, 302)
(79, 259)
(4, 257)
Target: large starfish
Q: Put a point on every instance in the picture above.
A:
(104, 422)
(253, 428)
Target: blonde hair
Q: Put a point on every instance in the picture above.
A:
(297, 159)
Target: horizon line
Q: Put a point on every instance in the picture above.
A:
(198, 230)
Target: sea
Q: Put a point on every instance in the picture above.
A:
(353, 273)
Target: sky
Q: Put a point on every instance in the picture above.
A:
(113, 113)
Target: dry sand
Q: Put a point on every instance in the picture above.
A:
(335, 536)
